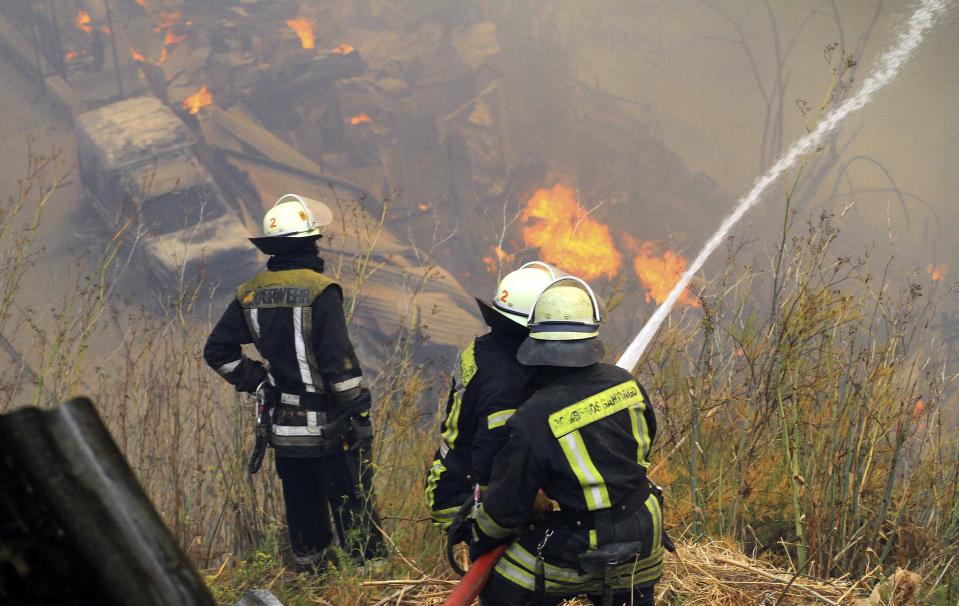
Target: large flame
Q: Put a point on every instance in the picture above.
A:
(361, 119)
(658, 271)
(555, 223)
(82, 21)
(343, 49)
(303, 29)
(198, 100)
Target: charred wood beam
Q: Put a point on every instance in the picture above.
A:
(75, 525)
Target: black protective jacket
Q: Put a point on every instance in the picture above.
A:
(293, 314)
(487, 389)
(583, 438)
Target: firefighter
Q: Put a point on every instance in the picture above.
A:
(320, 426)
(486, 391)
(583, 438)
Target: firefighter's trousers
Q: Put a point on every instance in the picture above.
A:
(340, 484)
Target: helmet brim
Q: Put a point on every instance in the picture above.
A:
(569, 354)
(283, 245)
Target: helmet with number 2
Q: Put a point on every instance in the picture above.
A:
(292, 218)
(518, 290)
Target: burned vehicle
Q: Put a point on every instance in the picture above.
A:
(141, 174)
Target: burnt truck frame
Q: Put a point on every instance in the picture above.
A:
(139, 170)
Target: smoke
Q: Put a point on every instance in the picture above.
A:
(887, 67)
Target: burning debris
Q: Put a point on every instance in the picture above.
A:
(198, 100)
(82, 21)
(361, 119)
(937, 272)
(304, 31)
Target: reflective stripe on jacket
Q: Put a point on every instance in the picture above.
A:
(584, 438)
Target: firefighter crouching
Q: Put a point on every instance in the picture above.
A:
(583, 438)
(485, 393)
(315, 407)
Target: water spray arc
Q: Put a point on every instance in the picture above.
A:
(887, 67)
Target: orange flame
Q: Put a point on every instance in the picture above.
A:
(937, 272)
(198, 100)
(303, 29)
(172, 39)
(423, 206)
(69, 56)
(555, 223)
(163, 55)
(361, 119)
(135, 54)
(343, 49)
(498, 259)
(658, 273)
(82, 21)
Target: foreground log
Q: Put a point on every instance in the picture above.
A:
(75, 525)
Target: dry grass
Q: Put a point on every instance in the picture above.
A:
(706, 574)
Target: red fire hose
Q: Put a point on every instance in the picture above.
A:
(475, 578)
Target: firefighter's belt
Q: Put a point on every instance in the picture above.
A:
(583, 519)
(307, 400)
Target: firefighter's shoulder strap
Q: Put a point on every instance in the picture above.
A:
(286, 288)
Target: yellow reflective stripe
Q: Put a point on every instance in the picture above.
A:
(436, 470)
(593, 539)
(499, 418)
(514, 573)
(468, 363)
(489, 527)
(452, 430)
(518, 565)
(594, 408)
(594, 487)
(640, 433)
(656, 513)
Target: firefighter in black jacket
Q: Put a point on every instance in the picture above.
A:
(321, 429)
(583, 438)
(486, 390)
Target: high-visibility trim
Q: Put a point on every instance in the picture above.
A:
(311, 418)
(594, 408)
(253, 322)
(488, 526)
(499, 419)
(312, 364)
(229, 367)
(452, 421)
(300, 345)
(656, 514)
(593, 539)
(297, 430)
(640, 433)
(518, 565)
(594, 487)
(290, 399)
(348, 384)
(468, 364)
(436, 471)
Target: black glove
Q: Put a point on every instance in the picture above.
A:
(461, 530)
(362, 429)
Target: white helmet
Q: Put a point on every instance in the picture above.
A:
(564, 326)
(292, 217)
(517, 291)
